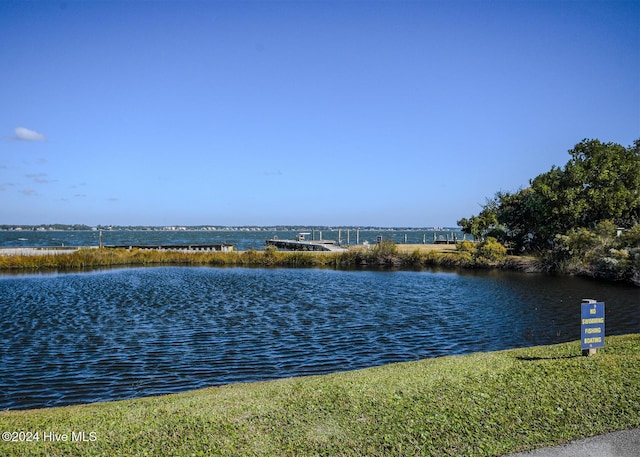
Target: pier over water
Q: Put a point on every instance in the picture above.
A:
(302, 244)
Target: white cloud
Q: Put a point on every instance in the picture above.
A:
(24, 134)
(40, 178)
(29, 192)
(273, 173)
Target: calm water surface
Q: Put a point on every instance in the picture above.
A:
(84, 337)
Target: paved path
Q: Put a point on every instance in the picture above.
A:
(617, 444)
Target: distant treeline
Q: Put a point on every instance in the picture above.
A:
(271, 228)
(46, 227)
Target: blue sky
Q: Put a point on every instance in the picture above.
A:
(306, 113)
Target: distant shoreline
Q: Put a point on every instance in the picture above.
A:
(56, 250)
(174, 228)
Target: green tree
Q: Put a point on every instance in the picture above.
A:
(600, 182)
(604, 180)
(484, 224)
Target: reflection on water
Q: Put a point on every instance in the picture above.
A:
(73, 338)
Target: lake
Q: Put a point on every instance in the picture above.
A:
(124, 333)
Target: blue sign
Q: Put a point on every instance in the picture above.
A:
(592, 325)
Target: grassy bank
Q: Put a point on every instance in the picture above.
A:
(388, 255)
(484, 404)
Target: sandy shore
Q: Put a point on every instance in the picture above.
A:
(426, 247)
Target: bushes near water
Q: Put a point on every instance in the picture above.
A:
(598, 253)
(487, 253)
(601, 252)
(386, 255)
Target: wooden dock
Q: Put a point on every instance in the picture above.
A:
(38, 250)
(222, 247)
(442, 240)
(303, 245)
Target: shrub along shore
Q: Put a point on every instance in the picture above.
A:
(483, 404)
(486, 255)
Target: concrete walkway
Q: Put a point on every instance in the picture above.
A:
(625, 443)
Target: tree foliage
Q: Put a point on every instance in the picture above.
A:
(601, 181)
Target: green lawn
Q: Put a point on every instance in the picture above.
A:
(483, 404)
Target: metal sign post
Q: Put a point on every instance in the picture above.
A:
(592, 333)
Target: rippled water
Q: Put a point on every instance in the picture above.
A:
(84, 337)
(240, 239)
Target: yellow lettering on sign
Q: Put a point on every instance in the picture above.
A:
(592, 311)
(595, 320)
(593, 330)
(592, 340)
